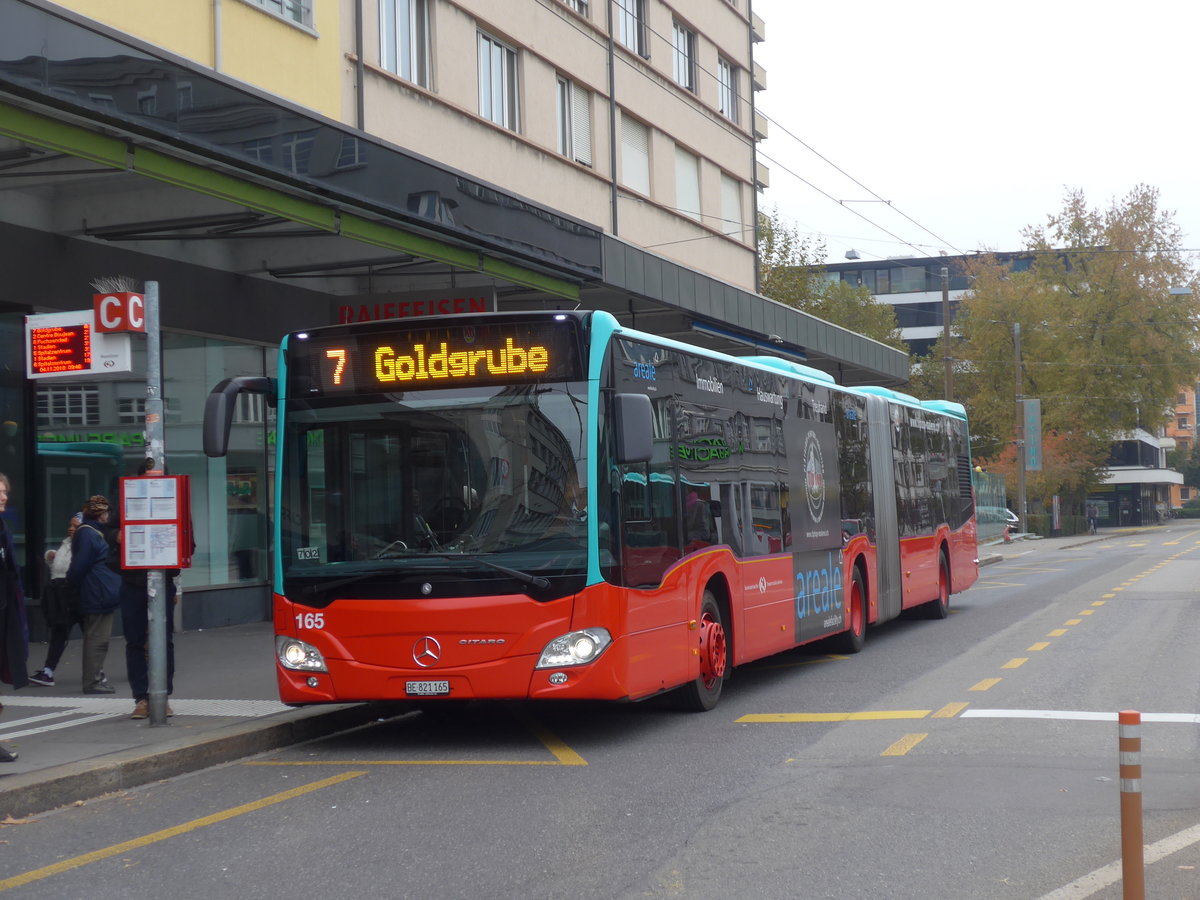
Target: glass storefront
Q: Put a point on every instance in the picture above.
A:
(88, 433)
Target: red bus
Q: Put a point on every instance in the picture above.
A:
(549, 505)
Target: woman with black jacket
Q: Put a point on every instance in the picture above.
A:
(99, 590)
(14, 629)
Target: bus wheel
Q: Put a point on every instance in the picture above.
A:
(851, 640)
(703, 693)
(939, 607)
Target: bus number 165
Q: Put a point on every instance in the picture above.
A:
(310, 620)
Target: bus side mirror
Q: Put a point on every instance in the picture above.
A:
(219, 407)
(634, 420)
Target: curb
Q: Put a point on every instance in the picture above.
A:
(39, 791)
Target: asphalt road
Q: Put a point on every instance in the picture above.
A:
(974, 757)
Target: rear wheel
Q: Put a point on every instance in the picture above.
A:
(939, 607)
(703, 693)
(851, 640)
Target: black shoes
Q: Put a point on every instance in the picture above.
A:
(7, 756)
(44, 677)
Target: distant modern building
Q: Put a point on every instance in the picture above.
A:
(912, 286)
(1181, 429)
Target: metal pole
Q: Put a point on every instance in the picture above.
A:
(1020, 405)
(1133, 858)
(947, 359)
(156, 453)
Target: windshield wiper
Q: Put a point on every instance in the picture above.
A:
(536, 581)
(319, 587)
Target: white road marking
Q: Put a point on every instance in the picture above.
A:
(1189, 718)
(1108, 875)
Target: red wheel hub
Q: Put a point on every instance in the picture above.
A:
(712, 650)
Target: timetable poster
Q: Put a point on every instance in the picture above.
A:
(151, 499)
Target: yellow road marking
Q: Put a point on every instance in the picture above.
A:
(1073, 621)
(1085, 612)
(1098, 603)
(1108, 596)
(869, 715)
(950, 710)
(116, 849)
(1040, 645)
(1015, 663)
(1116, 590)
(1057, 632)
(903, 745)
(985, 684)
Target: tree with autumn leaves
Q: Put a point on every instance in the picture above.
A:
(790, 272)
(1109, 327)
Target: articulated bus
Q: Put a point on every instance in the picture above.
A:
(548, 505)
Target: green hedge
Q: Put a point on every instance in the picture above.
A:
(1040, 524)
(1187, 513)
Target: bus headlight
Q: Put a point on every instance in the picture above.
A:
(578, 648)
(296, 654)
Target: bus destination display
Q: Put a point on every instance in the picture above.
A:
(60, 348)
(424, 357)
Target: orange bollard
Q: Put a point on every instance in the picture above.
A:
(1133, 857)
(1008, 534)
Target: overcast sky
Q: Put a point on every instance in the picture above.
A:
(973, 117)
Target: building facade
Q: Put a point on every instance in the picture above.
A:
(274, 165)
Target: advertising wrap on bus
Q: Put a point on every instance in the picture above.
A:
(549, 505)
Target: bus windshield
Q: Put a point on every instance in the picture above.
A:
(389, 490)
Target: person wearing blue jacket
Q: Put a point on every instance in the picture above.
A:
(99, 587)
(14, 628)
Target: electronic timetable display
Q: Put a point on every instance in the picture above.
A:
(425, 356)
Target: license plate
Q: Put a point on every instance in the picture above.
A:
(427, 688)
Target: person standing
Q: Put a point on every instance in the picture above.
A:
(135, 623)
(60, 606)
(99, 589)
(14, 628)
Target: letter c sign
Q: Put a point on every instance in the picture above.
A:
(120, 312)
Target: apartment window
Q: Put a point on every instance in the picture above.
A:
(580, 6)
(635, 155)
(68, 404)
(296, 150)
(687, 183)
(132, 410)
(574, 110)
(497, 82)
(404, 39)
(683, 54)
(1183, 421)
(631, 25)
(298, 11)
(731, 206)
(727, 89)
(259, 150)
(352, 152)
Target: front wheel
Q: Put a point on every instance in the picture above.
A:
(703, 693)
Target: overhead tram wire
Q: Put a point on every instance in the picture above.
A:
(549, 5)
(942, 241)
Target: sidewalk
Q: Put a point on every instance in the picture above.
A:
(998, 550)
(75, 747)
